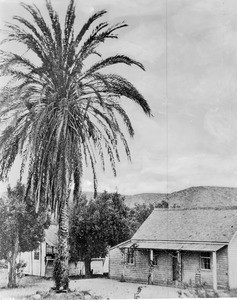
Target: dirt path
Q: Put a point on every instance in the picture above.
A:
(106, 288)
(112, 289)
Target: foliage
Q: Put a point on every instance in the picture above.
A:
(103, 222)
(19, 217)
(20, 266)
(62, 110)
(97, 224)
(197, 291)
(139, 289)
(20, 269)
(22, 229)
(140, 212)
(162, 204)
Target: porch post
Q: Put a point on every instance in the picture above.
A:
(124, 262)
(151, 266)
(179, 266)
(214, 271)
(151, 255)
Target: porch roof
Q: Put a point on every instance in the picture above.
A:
(51, 235)
(164, 245)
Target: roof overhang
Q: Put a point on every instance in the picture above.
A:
(51, 235)
(164, 245)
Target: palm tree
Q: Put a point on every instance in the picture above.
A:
(63, 114)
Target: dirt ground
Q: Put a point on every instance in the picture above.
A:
(100, 288)
(37, 288)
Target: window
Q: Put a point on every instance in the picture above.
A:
(130, 256)
(36, 254)
(205, 260)
(49, 249)
(155, 259)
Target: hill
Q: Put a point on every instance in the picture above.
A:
(201, 196)
(131, 200)
(147, 198)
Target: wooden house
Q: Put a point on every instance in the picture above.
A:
(176, 246)
(40, 262)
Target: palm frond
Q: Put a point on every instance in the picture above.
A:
(57, 30)
(39, 20)
(117, 59)
(87, 25)
(68, 27)
(64, 114)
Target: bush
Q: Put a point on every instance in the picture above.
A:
(197, 291)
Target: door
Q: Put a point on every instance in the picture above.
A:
(36, 261)
(177, 267)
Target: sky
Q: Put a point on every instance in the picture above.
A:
(189, 50)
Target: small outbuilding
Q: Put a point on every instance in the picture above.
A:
(175, 246)
(40, 261)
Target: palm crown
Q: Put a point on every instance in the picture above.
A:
(65, 113)
(61, 112)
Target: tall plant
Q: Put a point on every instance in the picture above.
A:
(22, 229)
(64, 113)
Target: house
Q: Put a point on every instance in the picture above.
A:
(40, 261)
(177, 246)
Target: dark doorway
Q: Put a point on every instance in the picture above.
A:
(177, 267)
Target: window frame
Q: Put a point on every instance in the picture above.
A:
(155, 258)
(37, 254)
(50, 250)
(130, 256)
(205, 260)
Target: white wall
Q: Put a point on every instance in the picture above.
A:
(27, 258)
(76, 268)
(232, 262)
(37, 267)
(33, 266)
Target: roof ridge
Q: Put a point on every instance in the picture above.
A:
(196, 208)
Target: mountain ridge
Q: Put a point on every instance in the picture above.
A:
(196, 196)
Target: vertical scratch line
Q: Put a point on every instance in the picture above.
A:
(166, 95)
(167, 109)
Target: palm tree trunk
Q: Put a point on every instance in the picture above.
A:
(12, 264)
(88, 272)
(61, 267)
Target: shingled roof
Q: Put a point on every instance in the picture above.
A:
(189, 225)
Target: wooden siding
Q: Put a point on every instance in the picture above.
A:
(163, 272)
(190, 266)
(232, 262)
(115, 263)
(140, 270)
(136, 272)
(42, 258)
(34, 266)
(222, 267)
